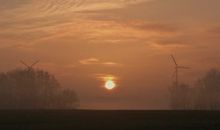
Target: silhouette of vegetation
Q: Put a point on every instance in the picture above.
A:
(205, 95)
(180, 97)
(208, 91)
(34, 89)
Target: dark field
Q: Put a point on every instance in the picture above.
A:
(105, 120)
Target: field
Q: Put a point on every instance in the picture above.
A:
(108, 120)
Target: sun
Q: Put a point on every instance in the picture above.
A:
(110, 84)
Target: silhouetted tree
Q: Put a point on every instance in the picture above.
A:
(204, 96)
(34, 89)
(208, 91)
(180, 97)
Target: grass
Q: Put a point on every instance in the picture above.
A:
(109, 120)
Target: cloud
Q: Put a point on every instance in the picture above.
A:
(89, 61)
(108, 4)
(95, 61)
(11, 4)
(109, 63)
(130, 31)
(105, 77)
(32, 21)
(51, 7)
(153, 26)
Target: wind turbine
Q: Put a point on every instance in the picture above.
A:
(29, 67)
(177, 68)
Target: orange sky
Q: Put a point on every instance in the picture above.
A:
(131, 40)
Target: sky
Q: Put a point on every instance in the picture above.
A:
(85, 42)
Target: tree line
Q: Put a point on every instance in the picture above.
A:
(204, 95)
(34, 89)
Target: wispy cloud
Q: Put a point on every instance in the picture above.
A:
(105, 77)
(95, 61)
(89, 61)
(31, 21)
(51, 7)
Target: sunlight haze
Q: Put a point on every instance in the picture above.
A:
(114, 53)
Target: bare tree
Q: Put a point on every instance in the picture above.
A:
(34, 89)
(180, 97)
(208, 91)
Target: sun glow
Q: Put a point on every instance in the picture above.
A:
(110, 85)
(109, 81)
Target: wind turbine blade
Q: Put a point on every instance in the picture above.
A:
(22, 62)
(183, 67)
(34, 64)
(174, 60)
